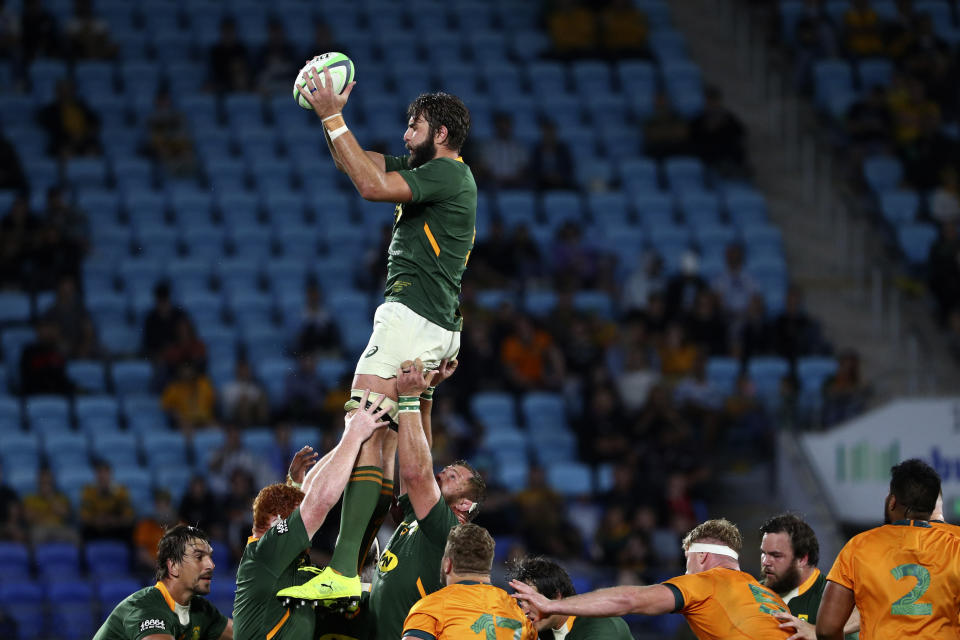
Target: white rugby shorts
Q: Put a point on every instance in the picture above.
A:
(401, 334)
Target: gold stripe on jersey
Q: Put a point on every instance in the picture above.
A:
(433, 241)
(166, 595)
(276, 627)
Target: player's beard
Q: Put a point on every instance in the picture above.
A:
(784, 584)
(202, 587)
(423, 153)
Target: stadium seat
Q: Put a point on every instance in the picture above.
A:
(132, 377)
(899, 205)
(882, 173)
(493, 408)
(138, 484)
(163, 448)
(722, 372)
(915, 242)
(87, 375)
(876, 72)
(766, 373)
(23, 600)
(118, 448)
(142, 412)
(570, 479)
(110, 592)
(59, 559)
(174, 479)
(15, 560)
(14, 307)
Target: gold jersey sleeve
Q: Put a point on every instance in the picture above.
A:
(905, 579)
(727, 604)
(468, 610)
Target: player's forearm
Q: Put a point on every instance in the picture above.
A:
(333, 151)
(369, 179)
(315, 470)
(426, 419)
(614, 601)
(416, 465)
(853, 623)
(335, 473)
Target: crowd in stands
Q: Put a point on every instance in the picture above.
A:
(898, 130)
(625, 344)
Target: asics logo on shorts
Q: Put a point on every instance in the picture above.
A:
(372, 351)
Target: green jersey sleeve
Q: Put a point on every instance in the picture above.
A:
(215, 621)
(282, 543)
(437, 524)
(439, 179)
(395, 163)
(150, 618)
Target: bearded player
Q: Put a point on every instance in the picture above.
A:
(433, 234)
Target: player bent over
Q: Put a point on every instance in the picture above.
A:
(434, 228)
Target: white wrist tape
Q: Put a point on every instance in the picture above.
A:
(331, 117)
(336, 133)
(719, 549)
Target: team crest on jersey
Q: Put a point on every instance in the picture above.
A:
(282, 527)
(195, 635)
(152, 623)
(397, 213)
(388, 562)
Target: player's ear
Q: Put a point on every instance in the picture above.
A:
(446, 565)
(440, 135)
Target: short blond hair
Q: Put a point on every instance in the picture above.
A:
(720, 531)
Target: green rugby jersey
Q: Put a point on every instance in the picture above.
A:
(598, 629)
(152, 611)
(804, 601)
(433, 235)
(269, 564)
(409, 567)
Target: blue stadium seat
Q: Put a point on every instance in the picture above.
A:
(120, 339)
(668, 46)
(722, 372)
(205, 443)
(43, 74)
(493, 408)
(111, 591)
(203, 241)
(174, 479)
(543, 408)
(592, 173)
(766, 373)
(882, 173)
(561, 206)
(88, 375)
(594, 302)
(163, 448)
(812, 372)
(273, 372)
(500, 437)
(131, 377)
(874, 72)
(118, 448)
(570, 479)
(48, 413)
(139, 485)
(97, 410)
(899, 205)
(546, 78)
(100, 205)
(9, 410)
(831, 78)
(915, 242)
(57, 559)
(609, 207)
(699, 207)
(684, 173)
(15, 560)
(14, 307)
(591, 77)
(24, 602)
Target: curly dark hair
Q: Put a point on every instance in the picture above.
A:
(173, 546)
(803, 541)
(274, 499)
(443, 110)
(915, 485)
(545, 574)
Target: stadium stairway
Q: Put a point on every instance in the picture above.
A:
(837, 277)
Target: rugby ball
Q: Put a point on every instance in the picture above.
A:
(341, 70)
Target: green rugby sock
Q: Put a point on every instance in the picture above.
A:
(379, 513)
(359, 501)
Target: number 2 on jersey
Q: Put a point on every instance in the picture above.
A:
(485, 624)
(908, 605)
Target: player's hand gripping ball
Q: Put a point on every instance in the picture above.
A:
(341, 70)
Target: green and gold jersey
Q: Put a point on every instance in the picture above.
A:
(598, 629)
(269, 564)
(433, 235)
(409, 567)
(152, 611)
(804, 601)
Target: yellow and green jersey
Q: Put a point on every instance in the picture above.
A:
(468, 609)
(804, 601)
(152, 611)
(433, 235)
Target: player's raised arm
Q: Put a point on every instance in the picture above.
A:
(416, 463)
(367, 174)
(651, 600)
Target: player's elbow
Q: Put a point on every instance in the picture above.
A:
(415, 477)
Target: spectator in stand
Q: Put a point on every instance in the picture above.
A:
(623, 31)
(150, 528)
(72, 222)
(927, 58)
(526, 257)
(677, 353)
(552, 165)
(229, 60)
(317, 333)
(748, 427)
(187, 348)
(9, 35)
(862, 35)
(719, 136)
(845, 394)
(78, 336)
(696, 395)
(54, 256)
(756, 335)
(18, 239)
(43, 366)
(236, 513)
(504, 161)
(303, 393)
(684, 287)
(12, 176)
(233, 456)
(572, 27)
(945, 202)
(795, 332)
(72, 127)
(88, 36)
(12, 525)
(48, 511)
(530, 358)
(199, 506)
(943, 267)
(491, 264)
(543, 517)
(706, 325)
(277, 60)
(646, 278)
(815, 39)
(734, 286)
(160, 326)
(639, 374)
(869, 123)
(575, 263)
(665, 132)
(39, 32)
(105, 508)
(479, 360)
(244, 400)
(189, 399)
(168, 137)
